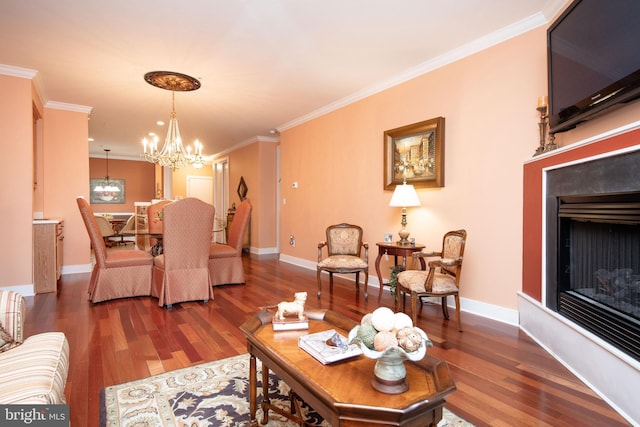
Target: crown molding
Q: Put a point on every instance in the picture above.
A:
(24, 73)
(527, 24)
(68, 107)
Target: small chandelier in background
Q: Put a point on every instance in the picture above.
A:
(173, 154)
(105, 190)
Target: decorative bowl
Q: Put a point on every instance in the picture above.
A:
(389, 372)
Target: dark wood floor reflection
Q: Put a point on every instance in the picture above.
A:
(503, 377)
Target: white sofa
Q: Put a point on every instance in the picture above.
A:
(34, 372)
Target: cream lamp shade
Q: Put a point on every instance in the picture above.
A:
(404, 196)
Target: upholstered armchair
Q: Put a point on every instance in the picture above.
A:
(32, 370)
(442, 279)
(225, 261)
(181, 272)
(344, 247)
(117, 274)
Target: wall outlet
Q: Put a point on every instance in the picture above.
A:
(292, 241)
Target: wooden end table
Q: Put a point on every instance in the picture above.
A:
(396, 250)
(341, 392)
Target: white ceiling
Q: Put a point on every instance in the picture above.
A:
(263, 64)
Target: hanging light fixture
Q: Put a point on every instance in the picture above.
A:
(106, 190)
(173, 154)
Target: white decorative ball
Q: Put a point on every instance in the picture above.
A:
(402, 320)
(383, 319)
(366, 319)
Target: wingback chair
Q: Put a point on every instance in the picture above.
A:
(180, 273)
(344, 247)
(440, 280)
(225, 261)
(117, 274)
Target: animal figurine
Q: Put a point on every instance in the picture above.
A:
(294, 307)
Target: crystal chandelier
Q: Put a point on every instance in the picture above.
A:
(173, 154)
(105, 190)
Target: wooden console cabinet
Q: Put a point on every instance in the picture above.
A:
(47, 254)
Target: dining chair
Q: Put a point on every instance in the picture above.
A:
(225, 260)
(344, 248)
(129, 230)
(181, 273)
(117, 274)
(442, 278)
(106, 229)
(155, 221)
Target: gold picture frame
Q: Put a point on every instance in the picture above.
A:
(415, 153)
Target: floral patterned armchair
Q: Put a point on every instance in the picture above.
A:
(441, 279)
(344, 246)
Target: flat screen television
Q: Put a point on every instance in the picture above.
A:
(593, 60)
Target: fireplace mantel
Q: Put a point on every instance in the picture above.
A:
(608, 371)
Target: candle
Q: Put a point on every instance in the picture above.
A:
(543, 101)
(144, 143)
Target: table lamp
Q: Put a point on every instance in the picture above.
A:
(404, 196)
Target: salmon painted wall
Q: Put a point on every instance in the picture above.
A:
(256, 163)
(265, 219)
(489, 104)
(66, 176)
(38, 149)
(139, 179)
(16, 180)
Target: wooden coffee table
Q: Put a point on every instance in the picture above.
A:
(341, 392)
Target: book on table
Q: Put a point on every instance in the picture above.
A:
(328, 346)
(289, 323)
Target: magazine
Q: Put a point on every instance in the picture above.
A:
(328, 346)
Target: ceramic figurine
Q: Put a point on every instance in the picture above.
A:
(294, 307)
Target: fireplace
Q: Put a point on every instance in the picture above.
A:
(593, 247)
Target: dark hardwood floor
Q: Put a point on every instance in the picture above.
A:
(503, 378)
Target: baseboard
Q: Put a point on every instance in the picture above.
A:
(24, 290)
(263, 251)
(489, 311)
(76, 269)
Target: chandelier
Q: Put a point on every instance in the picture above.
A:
(105, 190)
(173, 154)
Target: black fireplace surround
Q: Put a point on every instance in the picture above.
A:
(593, 247)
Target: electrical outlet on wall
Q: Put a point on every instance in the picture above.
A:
(292, 241)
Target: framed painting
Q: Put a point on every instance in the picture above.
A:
(415, 153)
(100, 193)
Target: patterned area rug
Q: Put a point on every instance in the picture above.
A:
(210, 394)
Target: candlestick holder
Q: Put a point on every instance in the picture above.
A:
(542, 126)
(546, 144)
(551, 145)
